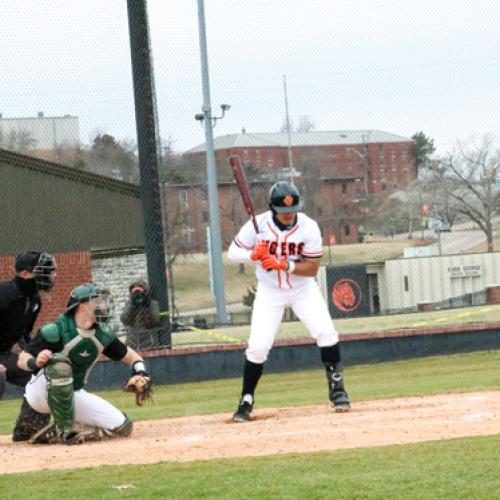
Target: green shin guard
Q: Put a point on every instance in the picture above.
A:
(61, 394)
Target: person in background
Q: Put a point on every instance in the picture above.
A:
(141, 313)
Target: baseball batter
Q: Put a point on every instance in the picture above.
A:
(287, 252)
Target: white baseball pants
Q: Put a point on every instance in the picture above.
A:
(89, 408)
(308, 305)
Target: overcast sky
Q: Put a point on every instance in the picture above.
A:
(400, 66)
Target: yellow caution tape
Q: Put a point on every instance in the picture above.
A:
(209, 333)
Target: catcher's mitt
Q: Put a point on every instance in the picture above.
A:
(142, 387)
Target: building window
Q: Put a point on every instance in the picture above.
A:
(344, 188)
(187, 233)
(347, 230)
(205, 216)
(183, 199)
(383, 186)
(407, 283)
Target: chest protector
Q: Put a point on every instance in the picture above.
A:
(81, 347)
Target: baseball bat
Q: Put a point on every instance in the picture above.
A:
(241, 182)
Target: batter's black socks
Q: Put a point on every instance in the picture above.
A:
(330, 356)
(251, 376)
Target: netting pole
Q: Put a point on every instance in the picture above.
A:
(142, 71)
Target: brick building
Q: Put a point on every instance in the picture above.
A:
(336, 171)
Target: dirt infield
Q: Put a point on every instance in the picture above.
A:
(273, 430)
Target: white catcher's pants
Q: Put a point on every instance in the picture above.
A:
(308, 305)
(89, 408)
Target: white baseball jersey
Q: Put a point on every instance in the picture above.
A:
(302, 240)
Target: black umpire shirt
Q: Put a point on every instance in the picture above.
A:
(20, 305)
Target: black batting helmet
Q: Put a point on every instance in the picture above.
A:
(285, 198)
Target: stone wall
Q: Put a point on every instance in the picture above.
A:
(117, 272)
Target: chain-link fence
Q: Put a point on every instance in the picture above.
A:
(420, 224)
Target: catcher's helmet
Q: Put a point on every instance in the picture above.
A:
(43, 265)
(99, 294)
(285, 198)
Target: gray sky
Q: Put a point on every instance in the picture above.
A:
(396, 65)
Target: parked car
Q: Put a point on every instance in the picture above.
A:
(445, 226)
(439, 225)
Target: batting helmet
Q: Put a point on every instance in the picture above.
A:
(285, 198)
(99, 294)
(43, 265)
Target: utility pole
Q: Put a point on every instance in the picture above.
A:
(213, 196)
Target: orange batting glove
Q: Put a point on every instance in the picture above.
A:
(270, 262)
(259, 251)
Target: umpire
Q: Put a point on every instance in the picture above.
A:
(20, 305)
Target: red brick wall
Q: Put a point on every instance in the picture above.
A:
(72, 269)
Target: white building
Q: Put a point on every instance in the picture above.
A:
(48, 132)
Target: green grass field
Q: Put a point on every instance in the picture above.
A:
(458, 468)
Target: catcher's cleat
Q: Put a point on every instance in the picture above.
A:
(48, 435)
(337, 393)
(28, 423)
(242, 414)
(83, 436)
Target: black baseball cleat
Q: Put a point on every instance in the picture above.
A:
(48, 435)
(242, 414)
(29, 422)
(337, 393)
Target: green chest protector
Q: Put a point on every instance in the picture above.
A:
(81, 347)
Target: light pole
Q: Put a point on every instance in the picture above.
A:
(213, 196)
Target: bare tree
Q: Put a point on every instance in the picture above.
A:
(304, 124)
(20, 141)
(468, 176)
(436, 194)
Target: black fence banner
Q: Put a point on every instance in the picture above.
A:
(347, 288)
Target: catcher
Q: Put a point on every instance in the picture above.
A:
(62, 356)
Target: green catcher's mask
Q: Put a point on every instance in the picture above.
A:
(99, 295)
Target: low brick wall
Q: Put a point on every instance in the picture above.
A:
(493, 294)
(72, 269)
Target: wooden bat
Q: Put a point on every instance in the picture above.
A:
(241, 181)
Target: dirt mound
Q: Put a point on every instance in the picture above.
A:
(273, 430)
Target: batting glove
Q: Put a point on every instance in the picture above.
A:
(270, 262)
(259, 251)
